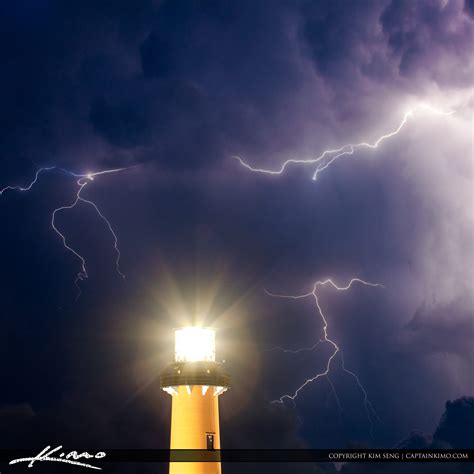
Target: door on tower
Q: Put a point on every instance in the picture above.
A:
(210, 441)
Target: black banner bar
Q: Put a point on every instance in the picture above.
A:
(97, 457)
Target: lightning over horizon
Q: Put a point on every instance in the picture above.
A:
(369, 408)
(82, 181)
(348, 149)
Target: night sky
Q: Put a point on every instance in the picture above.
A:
(172, 91)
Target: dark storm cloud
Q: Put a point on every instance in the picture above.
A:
(180, 86)
(187, 82)
(165, 83)
(455, 427)
(390, 40)
(469, 8)
(45, 99)
(345, 43)
(432, 37)
(457, 424)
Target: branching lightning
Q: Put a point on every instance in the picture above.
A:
(328, 157)
(82, 180)
(370, 411)
(295, 351)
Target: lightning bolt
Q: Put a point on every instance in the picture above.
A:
(82, 181)
(328, 157)
(28, 186)
(369, 409)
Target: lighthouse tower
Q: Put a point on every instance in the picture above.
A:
(195, 380)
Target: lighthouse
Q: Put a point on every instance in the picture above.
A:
(195, 381)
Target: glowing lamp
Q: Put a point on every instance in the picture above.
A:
(195, 344)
